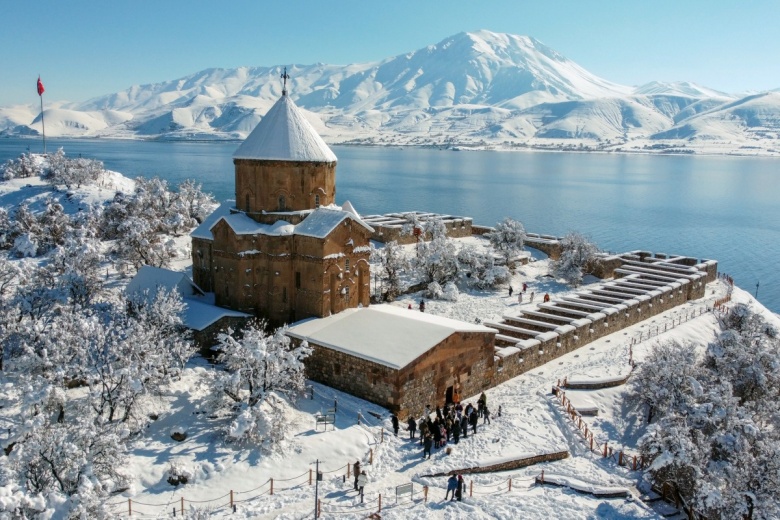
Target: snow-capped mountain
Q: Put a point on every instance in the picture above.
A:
(471, 89)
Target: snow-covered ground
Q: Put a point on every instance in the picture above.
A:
(532, 422)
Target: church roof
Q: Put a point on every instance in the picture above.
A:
(322, 221)
(319, 223)
(284, 134)
(384, 334)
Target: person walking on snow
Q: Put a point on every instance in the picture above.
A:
(532, 296)
(362, 480)
(427, 444)
(473, 418)
(510, 291)
(394, 420)
(519, 298)
(525, 286)
(485, 415)
(459, 489)
(412, 427)
(546, 297)
(356, 468)
(452, 485)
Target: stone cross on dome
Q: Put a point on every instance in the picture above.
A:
(285, 77)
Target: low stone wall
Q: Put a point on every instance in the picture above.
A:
(506, 465)
(596, 385)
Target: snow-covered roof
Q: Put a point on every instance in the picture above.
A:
(243, 225)
(384, 334)
(284, 134)
(152, 279)
(204, 230)
(319, 223)
(322, 221)
(199, 314)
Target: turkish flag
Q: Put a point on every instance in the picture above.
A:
(40, 86)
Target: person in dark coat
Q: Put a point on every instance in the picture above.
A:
(412, 427)
(510, 291)
(485, 415)
(456, 431)
(459, 489)
(473, 418)
(394, 420)
(464, 426)
(438, 413)
(423, 429)
(436, 431)
(356, 469)
(427, 444)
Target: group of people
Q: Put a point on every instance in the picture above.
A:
(524, 289)
(448, 425)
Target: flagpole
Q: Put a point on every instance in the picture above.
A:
(43, 126)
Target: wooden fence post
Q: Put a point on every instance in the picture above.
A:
(620, 458)
(425, 494)
(380, 503)
(605, 450)
(272, 486)
(471, 487)
(348, 465)
(542, 476)
(510, 484)
(634, 462)
(231, 499)
(129, 507)
(382, 435)
(371, 456)
(182, 507)
(310, 476)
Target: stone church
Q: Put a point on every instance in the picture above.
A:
(283, 250)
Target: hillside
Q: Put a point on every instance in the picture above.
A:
(471, 89)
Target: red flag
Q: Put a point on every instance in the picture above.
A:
(40, 86)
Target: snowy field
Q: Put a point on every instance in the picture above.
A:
(532, 423)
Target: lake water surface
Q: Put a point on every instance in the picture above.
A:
(724, 208)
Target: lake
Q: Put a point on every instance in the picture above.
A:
(725, 208)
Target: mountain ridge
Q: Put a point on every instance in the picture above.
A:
(472, 89)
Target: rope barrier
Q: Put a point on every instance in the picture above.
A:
(293, 478)
(254, 489)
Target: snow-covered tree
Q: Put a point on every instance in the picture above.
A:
(261, 371)
(481, 269)
(714, 432)
(25, 166)
(507, 238)
(436, 260)
(392, 261)
(577, 251)
(71, 172)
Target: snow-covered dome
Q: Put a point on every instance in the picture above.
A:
(284, 134)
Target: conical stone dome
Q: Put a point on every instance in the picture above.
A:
(284, 134)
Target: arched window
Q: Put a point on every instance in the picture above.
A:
(346, 294)
(346, 264)
(282, 203)
(317, 200)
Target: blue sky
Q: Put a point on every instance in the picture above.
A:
(83, 49)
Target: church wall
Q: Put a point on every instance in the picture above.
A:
(202, 264)
(465, 358)
(263, 182)
(463, 361)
